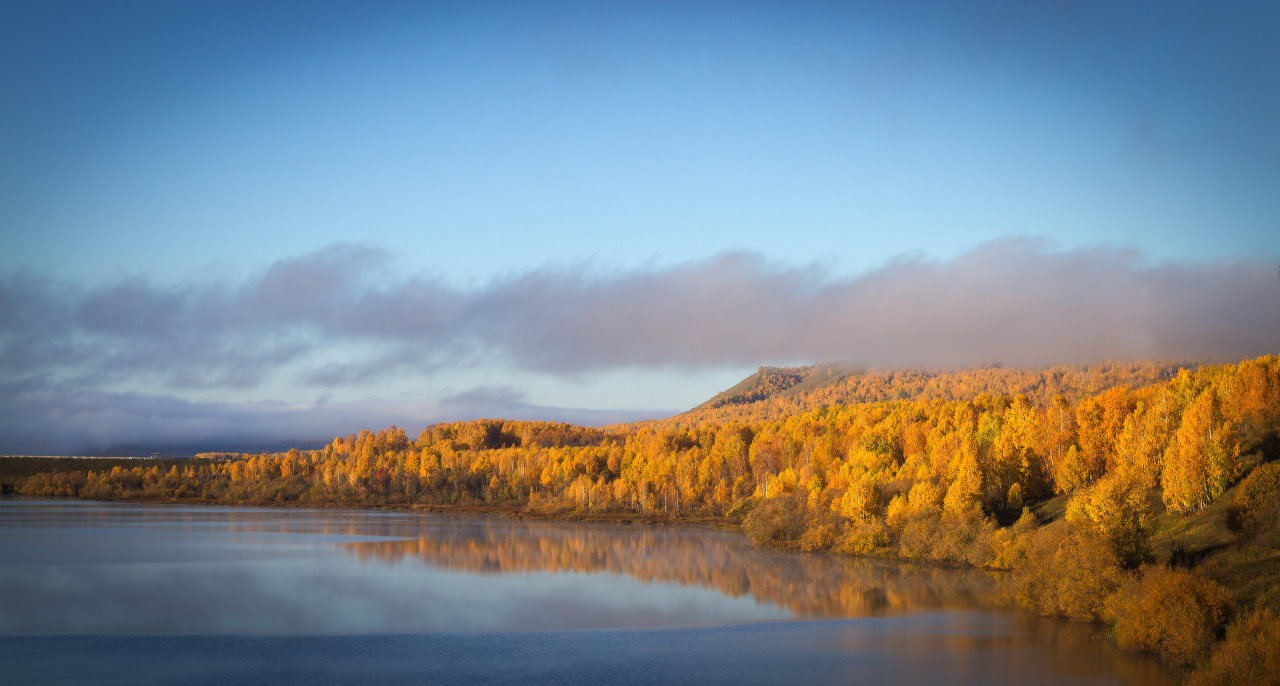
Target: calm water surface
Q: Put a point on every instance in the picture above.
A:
(124, 593)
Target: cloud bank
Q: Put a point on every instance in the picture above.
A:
(62, 420)
(327, 319)
(331, 319)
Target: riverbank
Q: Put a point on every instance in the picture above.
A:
(330, 595)
(1176, 599)
(511, 510)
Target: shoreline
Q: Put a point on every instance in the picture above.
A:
(509, 511)
(515, 512)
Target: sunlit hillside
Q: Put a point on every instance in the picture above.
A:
(776, 392)
(1104, 470)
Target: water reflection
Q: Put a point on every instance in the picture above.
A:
(807, 585)
(71, 568)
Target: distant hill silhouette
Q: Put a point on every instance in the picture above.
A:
(186, 450)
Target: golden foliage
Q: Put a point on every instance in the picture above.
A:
(867, 538)
(1255, 491)
(775, 520)
(819, 536)
(1250, 655)
(900, 461)
(1118, 511)
(923, 465)
(861, 501)
(1172, 612)
(1203, 458)
(856, 387)
(1067, 573)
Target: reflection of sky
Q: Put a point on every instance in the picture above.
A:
(955, 648)
(460, 599)
(73, 568)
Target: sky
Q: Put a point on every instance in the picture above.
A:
(226, 224)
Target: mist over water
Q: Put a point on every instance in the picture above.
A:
(149, 589)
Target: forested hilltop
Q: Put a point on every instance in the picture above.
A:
(775, 392)
(1131, 494)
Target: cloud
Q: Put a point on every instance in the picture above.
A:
(489, 395)
(331, 319)
(62, 420)
(328, 320)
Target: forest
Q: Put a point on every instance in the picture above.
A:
(1146, 496)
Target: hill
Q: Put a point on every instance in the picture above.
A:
(776, 392)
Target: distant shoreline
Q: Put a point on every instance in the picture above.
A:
(93, 457)
(511, 511)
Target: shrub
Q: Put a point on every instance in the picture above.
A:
(820, 535)
(964, 538)
(1253, 494)
(1250, 655)
(1172, 612)
(775, 520)
(1116, 510)
(1009, 545)
(866, 538)
(742, 507)
(53, 484)
(1067, 572)
(919, 536)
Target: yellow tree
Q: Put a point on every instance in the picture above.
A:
(1059, 435)
(1256, 394)
(1100, 420)
(1203, 457)
(1116, 509)
(965, 492)
(861, 501)
(765, 456)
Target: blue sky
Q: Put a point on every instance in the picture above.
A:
(162, 161)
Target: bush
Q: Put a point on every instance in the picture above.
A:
(1067, 573)
(920, 535)
(1255, 493)
(866, 538)
(1250, 655)
(1172, 612)
(52, 484)
(775, 520)
(743, 507)
(965, 538)
(820, 535)
(1009, 545)
(1116, 510)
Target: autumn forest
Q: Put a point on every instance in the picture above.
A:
(1142, 495)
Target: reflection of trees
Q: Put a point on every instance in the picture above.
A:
(809, 585)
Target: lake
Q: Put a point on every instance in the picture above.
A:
(128, 593)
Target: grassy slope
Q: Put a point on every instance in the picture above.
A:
(745, 386)
(816, 376)
(1251, 572)
(1202, 540)
(821, 375)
